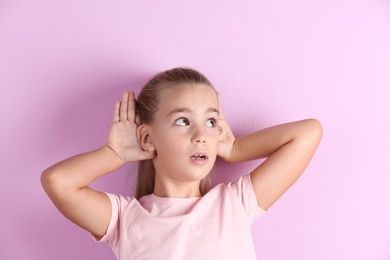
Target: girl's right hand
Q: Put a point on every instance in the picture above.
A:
(122, 138)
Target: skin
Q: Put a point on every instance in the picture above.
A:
(184, 126)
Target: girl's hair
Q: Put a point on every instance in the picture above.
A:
(147, 105)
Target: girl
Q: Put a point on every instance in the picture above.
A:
(175, 131)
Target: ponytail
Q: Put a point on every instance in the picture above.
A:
(145, 179)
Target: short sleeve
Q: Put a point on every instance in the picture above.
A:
(112, 234)
(243, 189)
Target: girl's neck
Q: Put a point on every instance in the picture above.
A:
(169, 189)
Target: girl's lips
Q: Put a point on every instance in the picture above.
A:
(199, 155)
(199, 158)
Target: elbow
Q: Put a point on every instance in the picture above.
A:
(47, 179)
(317, 128)
(314, 130)
(51, 180)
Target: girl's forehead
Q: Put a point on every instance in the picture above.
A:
(189, 95)
(188, 90)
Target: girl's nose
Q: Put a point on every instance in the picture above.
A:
(199, 136)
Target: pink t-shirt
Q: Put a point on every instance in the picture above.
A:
(215, 226)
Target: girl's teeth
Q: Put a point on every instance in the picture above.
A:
(196, 157)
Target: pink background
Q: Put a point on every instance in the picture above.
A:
(63, 64)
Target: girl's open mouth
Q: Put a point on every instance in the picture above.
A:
(200, 157)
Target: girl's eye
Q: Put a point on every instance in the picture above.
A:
(182, 121)
(211, 122)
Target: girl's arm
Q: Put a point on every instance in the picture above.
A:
(66, 182)
(289, 148)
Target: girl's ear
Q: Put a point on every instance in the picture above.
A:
(144, 138)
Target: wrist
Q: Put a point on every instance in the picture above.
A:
(229, 154)
(115, 159)
(117, 155)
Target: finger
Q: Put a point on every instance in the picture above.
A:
(116, 112)
(137, 120)
(123, 107)
(221, 116)
(131, 107)
(220, 129)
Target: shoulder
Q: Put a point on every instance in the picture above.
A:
(240, 187)
(122, 204)
(120, 199)
(238, 194)
(122, 208)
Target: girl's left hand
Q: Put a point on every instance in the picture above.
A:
(226, 136)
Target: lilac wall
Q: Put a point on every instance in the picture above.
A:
(64, 63)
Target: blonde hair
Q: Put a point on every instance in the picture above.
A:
(147, 105)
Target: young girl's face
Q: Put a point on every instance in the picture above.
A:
(185, 133)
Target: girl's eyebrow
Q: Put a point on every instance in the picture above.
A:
(187, 110)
